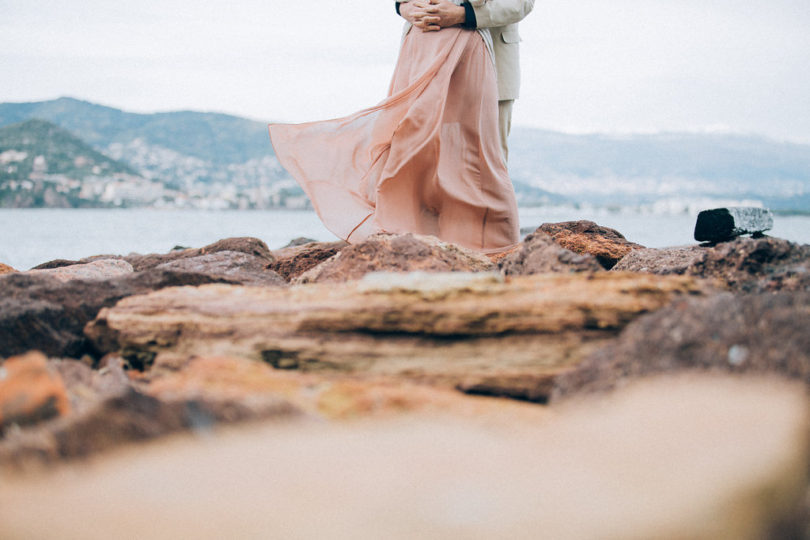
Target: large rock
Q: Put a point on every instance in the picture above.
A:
(6, 269)
(448, 328)
(699, 458)
(96, 270)
(30, 392)
(743, 264)
(225, 267)
(720, 224)
(761, 333)
(608, 245)
(41, 312)
(295, 259)
(540, 254)
(396, 253)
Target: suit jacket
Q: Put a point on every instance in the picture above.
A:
(501, 17)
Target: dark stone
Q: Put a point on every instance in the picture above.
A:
(608, 245)
(722, 224)
(539, 253)
(760, 333)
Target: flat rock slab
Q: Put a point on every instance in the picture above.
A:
(721, 224)
(696, 457)
(92, 271)
(446, 327)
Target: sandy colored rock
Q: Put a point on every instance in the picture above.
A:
(540, 254)
(96, 270)
(608, 245)
(30, 392)
(743, 264)
(292, 261)
(6, 269)
(760, 333)
(423, 326)
(698, 458)
(396, 253)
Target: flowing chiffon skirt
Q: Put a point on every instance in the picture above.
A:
(426, 160)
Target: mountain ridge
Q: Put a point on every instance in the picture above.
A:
(187, 148)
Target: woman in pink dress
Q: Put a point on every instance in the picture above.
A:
(426, 160)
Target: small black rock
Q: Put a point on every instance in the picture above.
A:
(721, 224)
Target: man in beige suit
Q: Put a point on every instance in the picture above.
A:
(501, 17)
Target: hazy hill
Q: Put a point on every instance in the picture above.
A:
(40, 146)
(208, 136)
(187, 149)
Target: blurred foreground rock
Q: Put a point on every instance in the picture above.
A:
(694, 457)
(30, 392)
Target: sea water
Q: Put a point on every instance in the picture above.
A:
(29, 237)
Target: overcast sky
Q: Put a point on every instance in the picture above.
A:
(590, 65)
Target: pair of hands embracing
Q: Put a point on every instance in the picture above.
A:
(432, 15)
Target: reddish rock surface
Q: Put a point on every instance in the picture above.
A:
(248, 245)
(6, 269)
(760, 333)
(396, 253)
(608, 245)
(30, 392)
(539, 254)
(744, 264)
(292, 261)
(225, 267)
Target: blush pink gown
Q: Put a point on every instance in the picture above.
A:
(426, 160)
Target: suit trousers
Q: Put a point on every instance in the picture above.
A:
(505, 124)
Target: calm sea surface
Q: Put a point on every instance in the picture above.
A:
(30, 237)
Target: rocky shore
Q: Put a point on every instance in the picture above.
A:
(579, 386)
